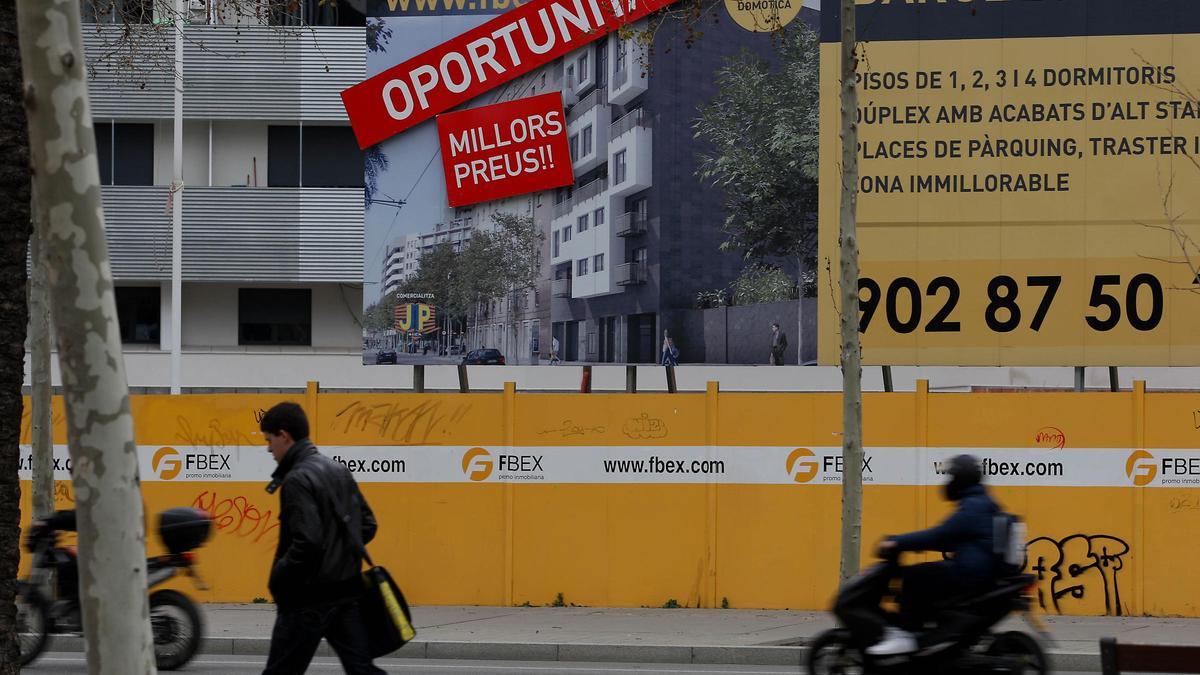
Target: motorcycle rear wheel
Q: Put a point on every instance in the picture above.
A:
(831, 653)
(1022, 646)
(177, 627)
(33, 619)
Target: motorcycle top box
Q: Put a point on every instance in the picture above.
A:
(184, 529)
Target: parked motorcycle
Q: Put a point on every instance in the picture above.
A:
(48, 600)
(960, 642)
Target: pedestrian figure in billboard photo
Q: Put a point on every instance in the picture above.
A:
(670, 353)
(778, 345)
(316, 578)
(554, 360)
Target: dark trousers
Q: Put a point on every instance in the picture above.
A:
(922, 586)
(298, 632)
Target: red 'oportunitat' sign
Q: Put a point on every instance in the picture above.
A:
(505, 149)
(485, 57)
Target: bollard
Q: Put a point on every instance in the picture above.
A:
(464, 387)
(585, 384)
(670, 379)
(630, 379)
(419, 378)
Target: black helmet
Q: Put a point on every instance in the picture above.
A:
(964, 473)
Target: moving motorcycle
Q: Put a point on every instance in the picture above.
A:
(48, 600)
(960, 642)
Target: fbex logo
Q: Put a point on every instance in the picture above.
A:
(477, 464)
(803, 466)
(1142, 468)
(169, 462)
(802, 471)
(166, 463)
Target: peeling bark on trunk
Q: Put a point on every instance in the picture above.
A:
(112, 547)
(40, 428)
(14, 236)
(852, 450)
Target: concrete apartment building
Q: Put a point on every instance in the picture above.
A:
(638, 236)
(272, 204)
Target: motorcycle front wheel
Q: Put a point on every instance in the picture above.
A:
(177, 627)
(831, 653)
(1021, 647)
(33, 613)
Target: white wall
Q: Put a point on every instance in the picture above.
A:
(209, 315)
(195, 153)
(236, 145)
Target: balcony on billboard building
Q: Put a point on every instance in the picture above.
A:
(631, 274)
(632, 225)
(561, 288)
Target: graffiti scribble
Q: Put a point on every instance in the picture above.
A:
(644, 426)
(1079, 569)
(212, 437)
(237, 516)
(568, 428)
(400, 422)
(1051, 437)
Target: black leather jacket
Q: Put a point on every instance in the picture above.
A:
(316, 561)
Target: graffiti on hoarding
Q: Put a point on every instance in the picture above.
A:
(644, 426)
(211, 435)
(1051, 437)
(63, 492)
(1079, 574)
(569, 428)
(401, 422)
(237, 516)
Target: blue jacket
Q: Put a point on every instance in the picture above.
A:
(967, 534)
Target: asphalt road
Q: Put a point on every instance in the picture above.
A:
(73, 663)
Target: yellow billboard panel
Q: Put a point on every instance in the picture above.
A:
(1029, 184)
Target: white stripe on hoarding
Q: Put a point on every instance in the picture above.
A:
(732, 465)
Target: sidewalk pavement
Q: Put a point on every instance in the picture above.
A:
(710, 636)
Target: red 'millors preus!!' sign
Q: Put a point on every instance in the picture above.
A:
(505, 149)
(484, 57)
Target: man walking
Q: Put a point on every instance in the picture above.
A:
(778, 345)
(316, 578)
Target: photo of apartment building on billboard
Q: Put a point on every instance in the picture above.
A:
(634, 252)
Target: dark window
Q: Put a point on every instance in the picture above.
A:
(125, 153)
(581, 224)
(602, 62)
(283, 156)
(313, 157)
(139, 314)
(117, 11)
(274, 316)
(331, 157)
(619, 168)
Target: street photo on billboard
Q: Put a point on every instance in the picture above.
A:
(575, 181)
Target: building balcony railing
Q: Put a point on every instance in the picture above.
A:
(561, 288)
(637, 117)
(237, 233)
(598, 96)
(631, 225)
(631, 274)
(590, 190)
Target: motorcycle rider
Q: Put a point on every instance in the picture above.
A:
(967, 534)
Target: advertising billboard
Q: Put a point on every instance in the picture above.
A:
(1028, 183)
(556, 179)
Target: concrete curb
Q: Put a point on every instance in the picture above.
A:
(1061, 660)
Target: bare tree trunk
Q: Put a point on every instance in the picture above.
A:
(852, 451)
(14, 239)
(41, 430)
(112, 567)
